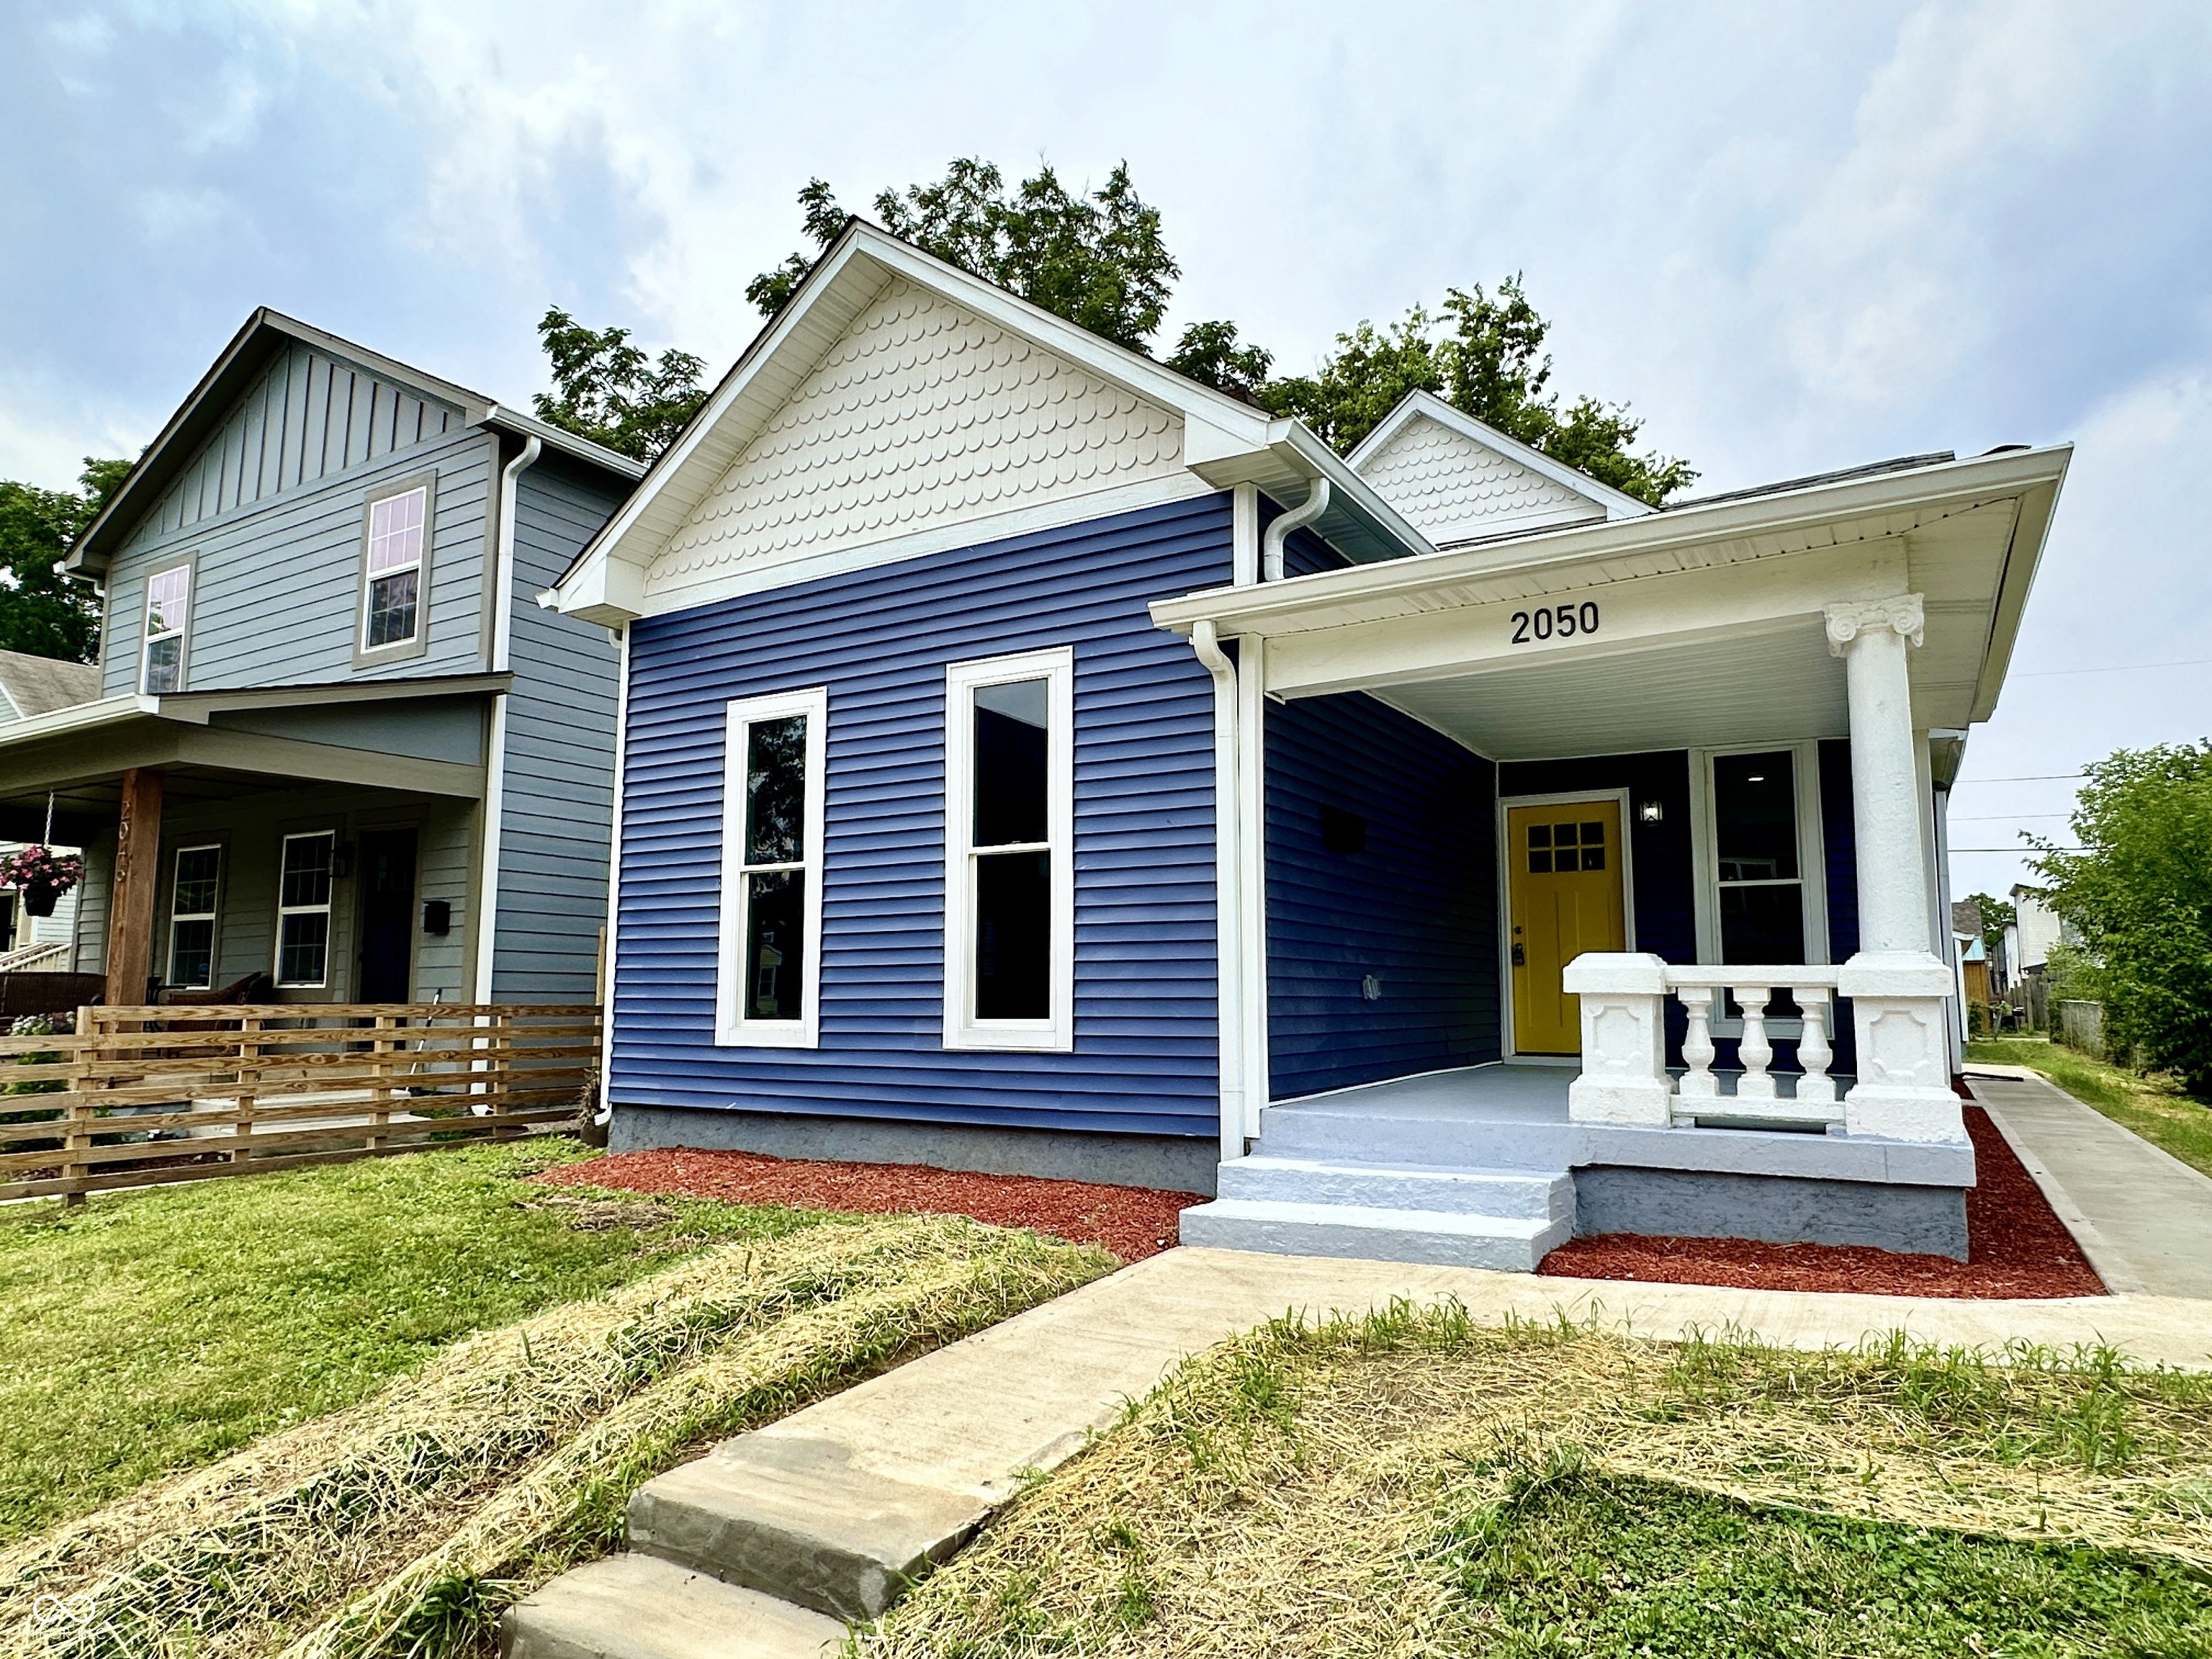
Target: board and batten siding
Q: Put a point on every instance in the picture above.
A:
(559, 791)
(277, 580)
(1417, 909)
(1146, 1037)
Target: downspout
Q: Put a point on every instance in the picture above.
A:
(605, 1117)
(1315, 503)
(1227, 901)
(502, 635)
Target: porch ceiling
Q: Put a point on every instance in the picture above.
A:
(1776, 685)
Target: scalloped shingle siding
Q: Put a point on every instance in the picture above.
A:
(921, 414)
(1447, 485)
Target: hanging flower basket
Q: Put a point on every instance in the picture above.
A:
(41, 875)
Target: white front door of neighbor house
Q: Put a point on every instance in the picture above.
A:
(1566, 898)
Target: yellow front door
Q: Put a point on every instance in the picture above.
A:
(1565, 895)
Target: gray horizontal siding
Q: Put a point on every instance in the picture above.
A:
(278, 583)
(559, 803)
(1146, 1057)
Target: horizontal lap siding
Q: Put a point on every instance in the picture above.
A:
(559, 789)
(1417, 909)
(1145, 1058)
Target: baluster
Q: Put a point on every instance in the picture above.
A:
(1755, 1051)
(1697, 1082)
(1814, 1052)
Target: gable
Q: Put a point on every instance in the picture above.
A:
(923, 416)
(1452, 487)
(309, 415)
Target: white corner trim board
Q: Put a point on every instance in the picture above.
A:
(967, 1026)
(752, 995)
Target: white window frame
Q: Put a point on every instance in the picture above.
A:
(963, 1029)
(1812, 862)
(732, 1029)
(148, 638)
(328, 908)
(413, 642)
(211, 916)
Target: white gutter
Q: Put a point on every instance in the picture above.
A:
(502, 635)
(1315, 504)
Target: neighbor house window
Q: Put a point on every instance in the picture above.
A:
(1009, 865)
(168, 604)
(191, 917)
(1758, 847)
(391, 587)
(768, 976)
(303, 910)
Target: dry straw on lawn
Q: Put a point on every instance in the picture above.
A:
(1282, 1495)
(483, 1454)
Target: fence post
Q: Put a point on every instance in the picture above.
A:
(249, 1078)
(80, 1106)
(379, 1092)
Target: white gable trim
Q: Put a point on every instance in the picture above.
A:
(1615, 503)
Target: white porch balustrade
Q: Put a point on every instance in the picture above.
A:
(1903, 1090)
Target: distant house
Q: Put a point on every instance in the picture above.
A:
(2040, 928)
(30, 686)
(1036, 760)
(328, 753)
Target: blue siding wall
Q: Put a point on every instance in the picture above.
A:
(1417, 909)
(1146, 1056)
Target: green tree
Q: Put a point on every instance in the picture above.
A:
(1096, 258)
(2141, 893)
(610, 391)
(42, 612)
(1997, 914)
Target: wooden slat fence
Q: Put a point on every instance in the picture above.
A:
(136, 1097)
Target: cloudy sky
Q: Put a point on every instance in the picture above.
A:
(1795, 237)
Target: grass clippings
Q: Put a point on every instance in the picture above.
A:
(147, 1333)
(405, 1525)
(1412, 1484)
(2152, 1105)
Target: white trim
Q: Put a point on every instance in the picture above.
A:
(732, 1030)
(1616, 503)
(941, 538)
(1502, 843)
(370, 575)
(148, 638)
(327, 909)
(212, 915)
(1252, 872)
(488, 851)
(605, 991)
(1055, 1034)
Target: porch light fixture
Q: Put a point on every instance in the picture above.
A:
(1651, 811)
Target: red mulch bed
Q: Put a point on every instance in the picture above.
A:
(2015, 1247)
(1132, 1222)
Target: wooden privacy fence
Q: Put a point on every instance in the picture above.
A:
(137, 1095)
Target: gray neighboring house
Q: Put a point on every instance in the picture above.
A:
(333, 740)
(30, 686)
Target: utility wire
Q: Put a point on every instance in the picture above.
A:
(2115, 668)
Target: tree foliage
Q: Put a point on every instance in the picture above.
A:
(1997, 914)
(609, 391)
(1096, 257)
(2141, 893)
(42, 612)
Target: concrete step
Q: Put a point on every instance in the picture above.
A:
(637, 1607)
(1505, 1243)
(1531, 1195)
(791, 1515)
(1416, 1137)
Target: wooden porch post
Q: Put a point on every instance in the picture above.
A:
(130, 896)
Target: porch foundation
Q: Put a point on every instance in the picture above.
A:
(1775, 1209)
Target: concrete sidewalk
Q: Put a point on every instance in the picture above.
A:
(2142, 1216)
(766, 1546)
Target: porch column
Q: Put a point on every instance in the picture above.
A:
(131, 895)
(1896, 985)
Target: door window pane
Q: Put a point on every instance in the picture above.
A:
(775, 926)
(1012, 749)
(1013, 936)
(1755, 817)
(776, 791)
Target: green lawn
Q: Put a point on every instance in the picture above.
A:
(2153, 1108)
(153, 1331)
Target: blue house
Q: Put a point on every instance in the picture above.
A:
(333, 753)
(1033, 761)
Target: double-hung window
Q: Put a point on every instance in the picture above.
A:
(168, 607)
(769, 975)
(1763, 899)
(391, 592)
(303, 909)
(192, 896)
(1009, 853)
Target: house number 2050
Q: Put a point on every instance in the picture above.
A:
(1561, 622)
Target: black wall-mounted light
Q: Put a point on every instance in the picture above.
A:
(438, 917)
